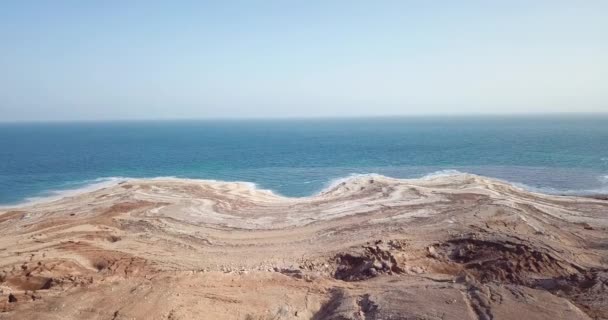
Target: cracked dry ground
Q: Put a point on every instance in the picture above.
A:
(458, 247)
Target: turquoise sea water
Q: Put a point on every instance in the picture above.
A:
(554, 154)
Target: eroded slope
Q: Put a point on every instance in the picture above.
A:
(457, 247)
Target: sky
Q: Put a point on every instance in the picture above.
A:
(102, 60)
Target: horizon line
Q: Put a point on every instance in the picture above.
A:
(320, 117)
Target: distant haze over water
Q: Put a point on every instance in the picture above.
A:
(554, 154)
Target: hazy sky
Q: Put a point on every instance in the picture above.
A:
(72, 60)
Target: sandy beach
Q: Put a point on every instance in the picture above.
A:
(371, 247)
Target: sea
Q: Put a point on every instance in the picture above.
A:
(556, 154)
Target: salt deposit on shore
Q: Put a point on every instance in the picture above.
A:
(370, 247)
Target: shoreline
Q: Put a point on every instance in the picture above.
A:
(106, 182)
(368, 244)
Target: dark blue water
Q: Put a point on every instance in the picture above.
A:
(556, 154)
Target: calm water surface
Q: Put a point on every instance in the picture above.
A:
(556, 154)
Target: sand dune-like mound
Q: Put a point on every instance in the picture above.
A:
(371, 247)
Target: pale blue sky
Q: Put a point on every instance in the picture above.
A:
(98, 60)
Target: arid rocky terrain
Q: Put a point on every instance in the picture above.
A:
(453, 247)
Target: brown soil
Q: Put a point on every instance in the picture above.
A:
(459, 247)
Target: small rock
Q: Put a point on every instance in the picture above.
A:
(373, 272)
(377, 265)
(387, 265)
(432, 252)
(417, 269)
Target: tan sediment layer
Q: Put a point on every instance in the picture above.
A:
(454, 247)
